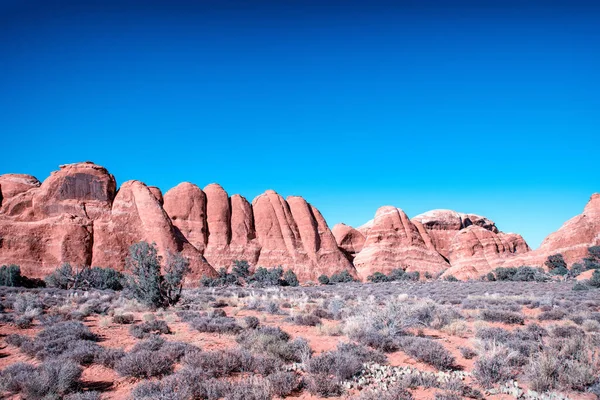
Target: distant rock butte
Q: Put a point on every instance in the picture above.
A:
(77, 215)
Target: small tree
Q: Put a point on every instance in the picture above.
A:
(176, 268)
(10, 275)
(323, 279)
(147, 283)
(594, 252)
(63, 277)
(241, 269)
(555, 261)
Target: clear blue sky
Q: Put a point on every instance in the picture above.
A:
(490, 107)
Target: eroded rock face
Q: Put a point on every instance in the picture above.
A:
(38, 247)
(475, 251)
(350, 240)
(293, 234)
(157, 194)
(393, 241)
(186, 205)
(82, 189)
(76, 216)
(137, 216)
(571, 240)
(442, 225)
(14, 184)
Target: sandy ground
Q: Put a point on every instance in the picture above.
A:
(112, 386)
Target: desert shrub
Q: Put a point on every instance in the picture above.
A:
(377, 277)
(23, 322)
(323, 279)
(84, 278)
(396, 274)
(275, 342)
(123, 319)
(467, 352)
(394, 392)
(552, 315)
(241, 269)
(84, 396)
(146, 329)
(100, 278)
(10, 276)
(70, 339)
(223, 279)
(144, 364)
(290, 279)
(306, 320)
(323, 385)
(507, 317)
(579, 286)
(504, 274)
(51, 379)
(146, 282)
(362, 353)
(456, 328)
(555, 261)
(341, 277)
(215, 324)
(530, 274)
(450, 278)
(447, 396)
(594, 281)
(251, 322)
(427, 351)
(411, 276)
(339, 364)
(252, 388)
(264, 277)
(27, 303)
(224, 363)
(109, 357)
(492, 367)
(284, 383)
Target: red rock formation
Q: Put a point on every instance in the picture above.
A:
(157, 194)
(14, 184)
(294, 235)
(74, 216)
(571, 240)
(443, 225)
(348, 239)
(186, 205)
(40, 246)
(393, 241)
(475, 251)
(82, 189)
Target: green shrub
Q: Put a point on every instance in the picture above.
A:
(266, 277)
(84, 278)
(341, 277)
(323, 279)
(378, 277)
(555, 261)
(290, 278)
(146, 282)
(10, 275)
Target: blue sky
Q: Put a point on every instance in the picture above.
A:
(485, 107)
